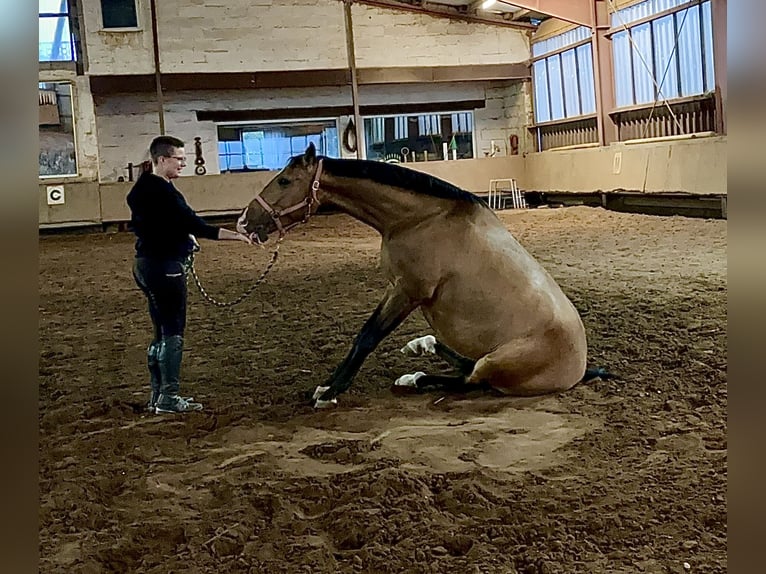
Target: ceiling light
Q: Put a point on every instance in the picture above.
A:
(487, 4)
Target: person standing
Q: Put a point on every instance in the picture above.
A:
(166, 228)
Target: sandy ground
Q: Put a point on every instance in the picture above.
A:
(619, 476)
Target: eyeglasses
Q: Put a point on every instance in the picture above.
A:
(179, 158)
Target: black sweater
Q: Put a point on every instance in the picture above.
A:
(162, 220)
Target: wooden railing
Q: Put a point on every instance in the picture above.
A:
(578, 131)
(689, 116)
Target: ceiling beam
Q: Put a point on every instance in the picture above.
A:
(446, 13)
(574, 11)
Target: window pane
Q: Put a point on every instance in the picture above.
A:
(556, 89)
(119, 13)
(269, 147)
(587, 82)
(53, 7)
(643, 66)
(666, 57)
(542, 110)
(56, 130)
(623, 74)
(571, 87)
(54, 44)
(689, 48)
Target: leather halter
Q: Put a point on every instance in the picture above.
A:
(307, 202)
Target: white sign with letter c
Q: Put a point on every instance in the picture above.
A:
(55, 194)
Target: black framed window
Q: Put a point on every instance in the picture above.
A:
(119, 13)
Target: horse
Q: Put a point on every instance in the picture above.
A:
(498, 317)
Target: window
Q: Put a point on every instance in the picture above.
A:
(56, 130)
(270, 146)
(563, 76)
(119, 13)
(665, 58)
(55, 40)
(405, 138)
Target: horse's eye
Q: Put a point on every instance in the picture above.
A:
(283, 181)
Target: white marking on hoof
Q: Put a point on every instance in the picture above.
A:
(409, 380)
(320, 404)
(420, 346)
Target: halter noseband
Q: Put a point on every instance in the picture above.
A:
(307, 202)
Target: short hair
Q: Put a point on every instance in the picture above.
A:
(162, 146)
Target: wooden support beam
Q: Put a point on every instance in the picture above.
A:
(719, 62)
(446, 12)
(574, 11)
(603, 74)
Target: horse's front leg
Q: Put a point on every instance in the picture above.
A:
(389, 314)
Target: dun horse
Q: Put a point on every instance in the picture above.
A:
(498, 317)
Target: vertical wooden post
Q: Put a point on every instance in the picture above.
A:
(352, 68)
(157, 73)
(718, 10)
(603, 74)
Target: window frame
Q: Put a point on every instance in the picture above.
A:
(626, 30)
(137, 28)
(70, 16)
(545, 57)
(262, 125)
(78, 168)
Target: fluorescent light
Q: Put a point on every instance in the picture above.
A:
(487, 4)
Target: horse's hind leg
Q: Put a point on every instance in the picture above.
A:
(421, 383)
(428, 345)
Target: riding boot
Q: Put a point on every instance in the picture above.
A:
(168, 401)
(152, 361)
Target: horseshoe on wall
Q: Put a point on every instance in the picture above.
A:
(199, 161)
(349, 134)
(514, 141)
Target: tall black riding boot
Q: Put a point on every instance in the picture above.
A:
(171, 353)
(152, 361)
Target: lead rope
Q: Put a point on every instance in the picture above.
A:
(244, 295)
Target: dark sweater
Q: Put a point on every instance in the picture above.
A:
(162, 220)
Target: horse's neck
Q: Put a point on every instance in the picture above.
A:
(380, 206)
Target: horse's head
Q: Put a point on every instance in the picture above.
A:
(287, 200)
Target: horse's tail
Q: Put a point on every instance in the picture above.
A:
(600, 372)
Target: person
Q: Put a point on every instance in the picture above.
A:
(166, 228)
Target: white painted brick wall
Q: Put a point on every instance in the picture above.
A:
(128, 123)
(507, 112)
(263, 35)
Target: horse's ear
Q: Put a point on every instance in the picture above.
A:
(311, 154)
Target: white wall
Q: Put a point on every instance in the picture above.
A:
(263, 35)
(128, 122)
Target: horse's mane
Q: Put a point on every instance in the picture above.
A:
(397, 176)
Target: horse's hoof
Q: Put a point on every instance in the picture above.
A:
(420, 346)
(407, 384)
(320, 404)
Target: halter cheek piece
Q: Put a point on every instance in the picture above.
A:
(307, 202)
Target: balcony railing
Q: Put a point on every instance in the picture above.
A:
(578, 131)
(689, 116)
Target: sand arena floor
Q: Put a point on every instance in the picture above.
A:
(611, 477)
